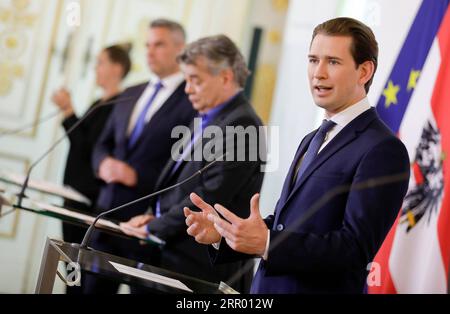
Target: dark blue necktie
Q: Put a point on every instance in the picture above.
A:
(198, 132)
(314, 147)
(140, 123)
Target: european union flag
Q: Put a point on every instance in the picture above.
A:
(406, 72)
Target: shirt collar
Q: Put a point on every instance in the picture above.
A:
(346, 116)
(169, 82)
(212, 113)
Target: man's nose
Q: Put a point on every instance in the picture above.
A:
(188, 88)
(150, 50)
(320, 71)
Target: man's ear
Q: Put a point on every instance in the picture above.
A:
(367, 69)
(180, 47)
(227, 76)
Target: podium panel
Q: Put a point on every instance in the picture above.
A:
(119, 269)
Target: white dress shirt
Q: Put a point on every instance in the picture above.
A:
(170, 84)
(345, 117)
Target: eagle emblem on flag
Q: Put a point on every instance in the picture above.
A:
(423, 198)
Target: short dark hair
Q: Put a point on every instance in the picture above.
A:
(220, 52)
(120, 54)
(172, 26)
(364, 46)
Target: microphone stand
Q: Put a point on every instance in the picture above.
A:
(87, 235)
(21, 195)
(28, 126)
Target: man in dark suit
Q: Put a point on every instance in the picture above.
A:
(136, 142)
(343, 190)
(215, 72)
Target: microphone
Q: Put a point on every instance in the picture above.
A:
(87, 235)
(21, 195)
(30, 125)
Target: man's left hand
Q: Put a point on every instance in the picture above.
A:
(243, 235)
(138, 232)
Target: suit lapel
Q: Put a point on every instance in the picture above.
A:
(125, 113)
(290, 175)
(158, 117)
(166, 173)
(128, 109)
(345, 137)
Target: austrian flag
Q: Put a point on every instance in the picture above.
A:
(415, 104)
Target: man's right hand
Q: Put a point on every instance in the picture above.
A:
(116, 171)
(198, 224)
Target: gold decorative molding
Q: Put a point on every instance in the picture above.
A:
(13, 232)
(263, 90)
(280, 5)
(47, 66)
(27, 20)
(13, 42)
(274, 37)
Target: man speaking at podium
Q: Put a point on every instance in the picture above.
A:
(215, 73)
(343, 190)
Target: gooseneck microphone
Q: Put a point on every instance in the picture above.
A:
(87, 235)
(21, 195)
(30, 125)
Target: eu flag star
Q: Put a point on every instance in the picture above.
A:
(390, 93)
(413, 78)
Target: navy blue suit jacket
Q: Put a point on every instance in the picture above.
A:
(356, 187)
(231, 183)
(150, 153)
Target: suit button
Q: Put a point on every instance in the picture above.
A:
(280, 227)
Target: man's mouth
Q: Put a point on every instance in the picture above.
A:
(322, 88)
